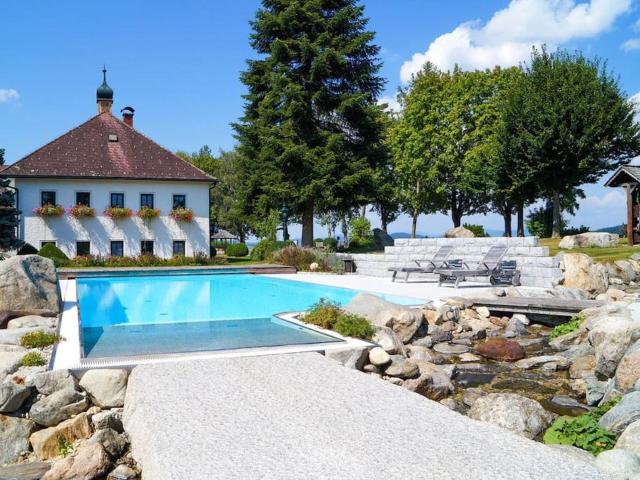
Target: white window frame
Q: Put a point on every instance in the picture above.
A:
(153, 194)
(124, 198)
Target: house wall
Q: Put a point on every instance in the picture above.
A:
(537, 268)
(66, 230)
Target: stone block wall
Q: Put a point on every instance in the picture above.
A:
(537, 267)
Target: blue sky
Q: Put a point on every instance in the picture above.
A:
(178, 64)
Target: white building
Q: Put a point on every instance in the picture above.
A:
(108, 166)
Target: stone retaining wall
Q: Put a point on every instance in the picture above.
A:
(537, 267)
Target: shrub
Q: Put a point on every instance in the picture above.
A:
(575, 230)
(264, 248)
(568, 327)
(181, 214)
(49, 210)
(27, 249)
(49, 250)
(583, 431)
(362, 244)
(360, 228)
(331, 243)
(148, 213)
(65, 447)
(115, 213)
(79, 211)
(39, 339)
(329, 315)
(478, 230)
(33, 359)
(199, 258)
(236, 250)
(294, 256)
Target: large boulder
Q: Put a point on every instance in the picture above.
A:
(401, 367)
(434, 381)
(458, 232)
(619, 464)
(29, 282)
(630, 438)
(10, 360)
(58, 406)
(402, 320)
(53, 380)
(623, 414)
(382, 239)
(610, 339)
(33, 321)
(14, 437)
(590, 239)
(107, 387)
(12, 395)
(25, 471)
(501, 349)
(519, 414)
(89, 461)
(349, 357)
(581, 272)
(628, 371)
(387, 339)
(45, 442)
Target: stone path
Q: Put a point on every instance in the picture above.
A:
(302, 416)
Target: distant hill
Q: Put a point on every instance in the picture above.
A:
(615, 229)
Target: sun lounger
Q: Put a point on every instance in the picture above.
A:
(426, 266)
(488, 267)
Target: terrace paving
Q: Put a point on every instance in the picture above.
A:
(304, 416)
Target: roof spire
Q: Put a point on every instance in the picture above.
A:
(104, 94)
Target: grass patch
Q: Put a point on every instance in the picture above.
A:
(33, 359)
(571, 326)
(583, 431)
(599, 254)
(329, 315)
(65, 447)
(39, 339)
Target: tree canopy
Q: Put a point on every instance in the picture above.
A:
(310, 136)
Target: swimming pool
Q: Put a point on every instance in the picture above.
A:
(156, 314)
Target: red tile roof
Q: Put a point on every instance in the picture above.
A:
(87, 152)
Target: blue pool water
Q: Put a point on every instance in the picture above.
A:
(154, 314)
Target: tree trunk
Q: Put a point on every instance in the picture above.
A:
(555, 229)
(345, 232)
(520, 213)
(242, 236)
(307, 225)
(414, 224)
(363, 211)
(506, 215)
(383, 222)
(285, 231)
(456, 215)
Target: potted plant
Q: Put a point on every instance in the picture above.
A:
(49, 210)
(80, 210)
(147, 213)
(115, 213)
(181, 214)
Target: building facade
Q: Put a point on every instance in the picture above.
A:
(105, 189)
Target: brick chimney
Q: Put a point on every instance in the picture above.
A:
(127, 115)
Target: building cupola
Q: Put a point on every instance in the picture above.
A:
(104, 94)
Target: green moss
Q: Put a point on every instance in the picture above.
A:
(39, 339)
(568, 327)
(583, 431)
(65, 447)
(329, 315)
(33, 359)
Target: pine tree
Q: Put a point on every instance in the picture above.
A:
(310, 136)
(8, 213)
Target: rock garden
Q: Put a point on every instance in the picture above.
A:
(53, 424)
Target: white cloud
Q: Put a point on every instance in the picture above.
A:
(506, 39)
(613, 198)
(8, 95)
(392, 104)
(631, 44)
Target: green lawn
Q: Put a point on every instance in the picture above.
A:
(242, 261)
(604, 255)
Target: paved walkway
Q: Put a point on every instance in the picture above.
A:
(302, 416)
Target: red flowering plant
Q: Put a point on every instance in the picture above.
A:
(115, 213)
(49, 210)
(80, 210)
(181, 214)
(147, 213)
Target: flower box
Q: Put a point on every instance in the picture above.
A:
(49, 210)
(147, 213)
(182, 214)
(79, 211)
(115, 213)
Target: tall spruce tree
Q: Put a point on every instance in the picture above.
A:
(310, 136)
(8, 212)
